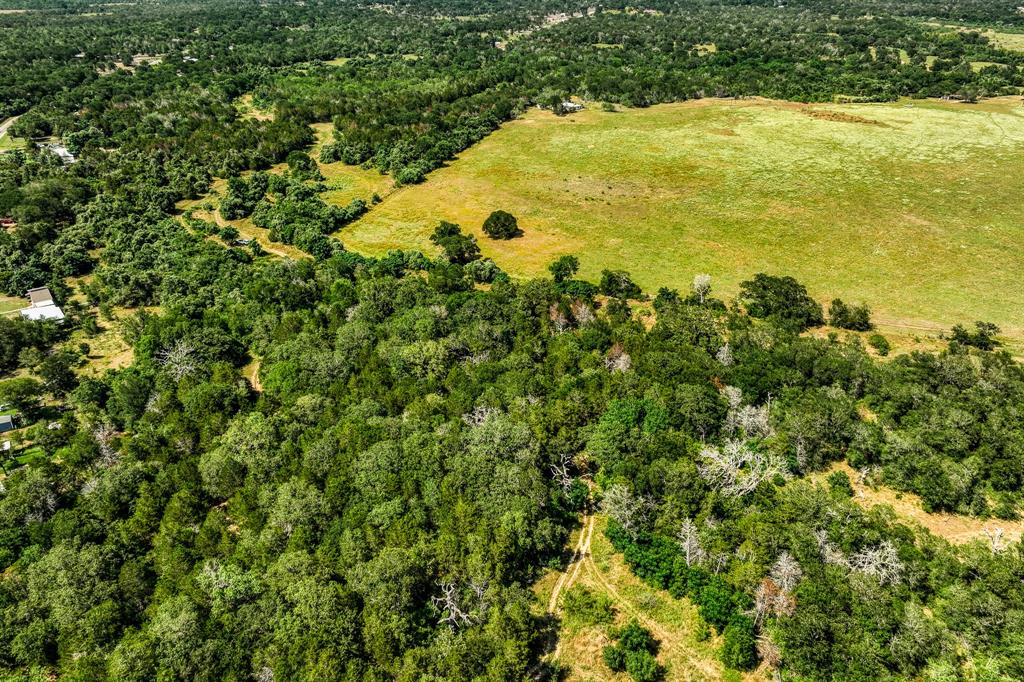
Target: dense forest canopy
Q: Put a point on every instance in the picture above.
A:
(343, 467)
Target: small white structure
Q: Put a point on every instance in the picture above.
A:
(60, 150)
(41, 306)
(570, 107)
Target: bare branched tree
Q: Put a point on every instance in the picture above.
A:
(724, 355)
(768, 651)
(451, 610)
(628, 510)
(880, 561)
(178, 360)
(559, 319)
(104, 435)
(618, 359)
(869, 475)
(457, 610)
(689, 543)
(562, 472)
(479, 415)
(829, 551)
(786, 572)
(996, 540)
(583, 313)
(771, 600)
(735, 469)
(754, 422)
(701, 287)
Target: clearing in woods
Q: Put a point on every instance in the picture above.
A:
(955, 528)
(911, 207)
(674, 622)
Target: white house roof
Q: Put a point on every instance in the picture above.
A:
(43, 312)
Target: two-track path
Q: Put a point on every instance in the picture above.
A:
(582, 562)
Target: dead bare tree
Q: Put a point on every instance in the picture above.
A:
(456, 610)
(618, 359)
(771, 600)
(479, 415)
(701, 287)
(829, 551)
(562, 472)
(451, 610)
(178, 360)
(786, 572)
(768, 651)
(724, 355)
(628, 510)
(754, 422)
(104, 435)
(689, 543)
(996, 540)
(583, 313)
(736, 469)
(559, 319)
(881, 561)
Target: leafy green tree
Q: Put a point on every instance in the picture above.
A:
(24, 395)
(780, 298)
(856, 317)
(564, 268)
(618, 284)
(458, 248)
(501, 225)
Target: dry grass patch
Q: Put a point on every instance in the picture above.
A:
(674, 622)
(346, 183)
(247, 109)
(955, 528)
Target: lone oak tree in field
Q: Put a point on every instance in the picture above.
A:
(501, 225)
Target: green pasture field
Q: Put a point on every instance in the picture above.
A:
(911, 207)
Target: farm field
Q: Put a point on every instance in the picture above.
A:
(911, 207)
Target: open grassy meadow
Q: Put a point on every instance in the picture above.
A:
(912, 207)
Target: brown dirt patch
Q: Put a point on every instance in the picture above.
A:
(841, 117)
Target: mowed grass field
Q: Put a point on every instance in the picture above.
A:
(913, 208)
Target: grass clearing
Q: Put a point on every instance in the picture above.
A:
(248, 110)
(10, 304)
(1001, 39)
(344, 182)
(955, 528)
(910, 207)
(674, 622)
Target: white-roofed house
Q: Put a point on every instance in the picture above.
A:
(41, 306)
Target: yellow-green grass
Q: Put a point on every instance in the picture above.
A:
(9, 304)
(912, 208)
(247, 109)
(1001, 39)
(344, 182)
(978, 66)
(246, 228)
(7, 143)
(674, 622)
